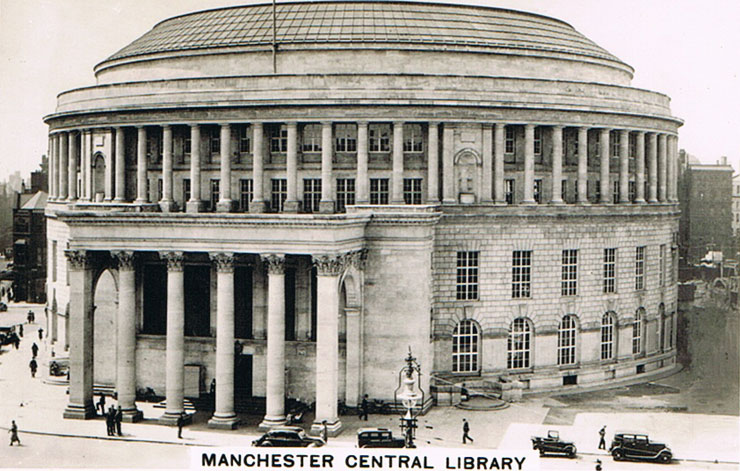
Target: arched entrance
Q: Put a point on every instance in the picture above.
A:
(105, 302)
(350, 330)
(98, 191)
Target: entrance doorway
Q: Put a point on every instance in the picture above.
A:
(243, 375)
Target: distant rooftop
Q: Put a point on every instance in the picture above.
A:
(37, 201)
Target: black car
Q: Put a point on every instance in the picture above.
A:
(635, 446)
(553, 445)
(3, 307)
(289, 437)
(378, 438)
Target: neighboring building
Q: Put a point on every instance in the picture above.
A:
(736, 205)
(480, 185)
(705, 195)
(29, 247)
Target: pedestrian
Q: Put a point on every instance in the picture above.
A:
(16, 341)
(324, 432)
(20, 329)
(101, 404)
(119, 419)
(602, 442)
(29, 316)
(35, 349)
(110, 421)
(466, 432)
(363, 408)
(33, 366)
(41, 334)
(180, 423)
(213, 389)
(14, 434)
(598, 465)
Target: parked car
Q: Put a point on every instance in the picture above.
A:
(7, 336)
(378, 438)
(635, 446)
(3, 307)
(552, 444)
(288, 437)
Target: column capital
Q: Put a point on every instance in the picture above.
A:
(166, 126)
(558, 126)
(126, 259)
(291, 124)
(224, 261)
(325, 122)
(362, 122)
(329, 265)
(274, 263)
(78, 259)
(530, 126)
(174, 260)
(356, 258)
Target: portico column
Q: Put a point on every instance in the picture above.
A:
(604, 170)
(557, 165)
(397, 173)
(448, 164)
(354, 346)
(275, 404)
(328, 267)
(225, 203)
(640, 168)
(258, 185)
(361, 185)
(109, 174)
(57, 148)
(487, 182)
(326, 205)
(80, 333)
(63, 164)
(528, 164)
(50, 172)
(89, 196)
(84, 169)
(292, 204)
(672, 167)
(498, 164)
(224, 416)
(120, 166)
(141, 196)
(72, 167)
(433, 164)
(582, 165)
(126, 336)
(195, 204)
(175, 354)
(167, 204)
(662, 171)
(624, 167)
(652, 167)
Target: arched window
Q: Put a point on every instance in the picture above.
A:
(567, 341)
(519, 344)
(465, 341)
(607, 336)
(637, 331)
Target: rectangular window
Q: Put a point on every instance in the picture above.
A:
(346, 137)
(467, 275)
(215, 193)
(509, 190)
(215, 140)
(569, 273)
(610, 270)
(509, 141)
(632, 191)
(378, 191)
(632, 145)
(279, 139)
(379, 137)
(311, 194)
(413, 140)
(597, 191)
(245, 139)
(564, 189)
(412, 190)
(312, 138)
(597, 143)
(154, 145)
(607, 337)
(538, 190)
(185, 190)
(53, 260)
(538, 143)
(615, 192)
(521, 272)
(640, 268)
(187, 145)
(246, 191)
(279, 193)
(345, 193)
(159, 189)
(614, 138)
(661, 273)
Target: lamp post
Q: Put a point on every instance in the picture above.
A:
(409, 393)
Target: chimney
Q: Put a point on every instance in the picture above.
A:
(724, 160)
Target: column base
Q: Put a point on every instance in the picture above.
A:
(115, 200)
(557, 203)
(80, 412)
(132, 416)
(326, 207)
(195, 206)
(449, 201)
(333, 428)
(170, 418)
(224, 423)
(225, 206)
(257, 207)
(271, 422)
(583, 203)
(291, 206)
(528, 203)
(167, 206)
(136, 201)
(640, 201)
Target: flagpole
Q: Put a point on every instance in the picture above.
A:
(274, 38)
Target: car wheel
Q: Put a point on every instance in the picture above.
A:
(664, 458)
(617, 454)
(542, 452)
(268, 443)
(571, 451)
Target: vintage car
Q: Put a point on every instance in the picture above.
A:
(289, 437)
(378, 438)
(553, 445)
(635, 446)
(3, 307)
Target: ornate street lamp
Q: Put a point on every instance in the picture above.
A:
(409, 393)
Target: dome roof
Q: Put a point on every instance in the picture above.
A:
(368, 22)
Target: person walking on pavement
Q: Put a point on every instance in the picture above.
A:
(33, 366)
(112, 420)
(118, 420)
(602, 442)
(101, 404)
(363, 408)
(16, 341)
(108, 423)
(324, 432)
(20, 330)
(41, 334)
(14, 434)
(180, 423)
(466, 432)
(35, 350)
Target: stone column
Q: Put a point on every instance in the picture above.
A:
(120, 166)
(175, 356)
(275, 406)
(292, 205)
(624, 166)
(258, 200)
(195, 204)
(557, 165)
(109, 172)
(433, 164)
(328, 267)
(50, 172)
(662, 171)
(397, 173)
(640, 168)
(671, 142)
(326, 205)
(225, 203)
(652, 167)
(57, 162)
(605, 171)
(72, 167)
(528, 164)
(80, 333)
(499, 195)
(224, 416)
(361, 185)
(354, 346)
(448, 164)
(63, 164)
(84, 169)
(582, 165)
(89, 196)
(126, 336)
(141, 196)
(167, 204)
(487, 182)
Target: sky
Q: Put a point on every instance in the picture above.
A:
(687, 49)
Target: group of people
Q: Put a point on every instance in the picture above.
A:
(113, 417)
